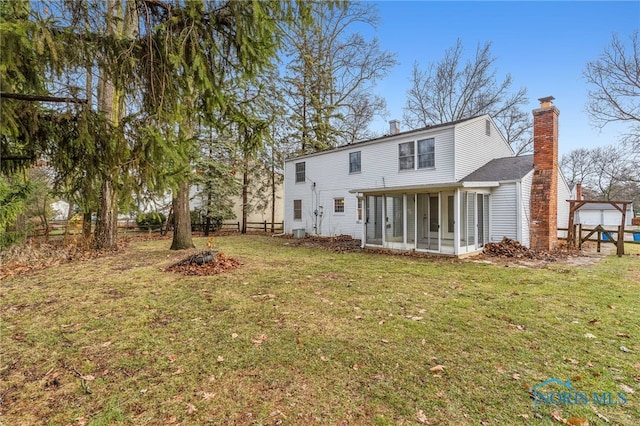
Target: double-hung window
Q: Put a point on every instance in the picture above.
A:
(406, 155)
(300, 172)
(338, 205)
(355, 165)
(426, 153)
(297, 209)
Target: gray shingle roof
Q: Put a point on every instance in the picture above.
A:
(502, 169)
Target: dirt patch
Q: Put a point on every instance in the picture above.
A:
(206, 262)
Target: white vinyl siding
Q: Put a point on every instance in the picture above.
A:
(474, 148)
(327, 177)
(564, 194)
(504, 215)
(525, 208)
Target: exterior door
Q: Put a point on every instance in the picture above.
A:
(374, 220)
(429, 222)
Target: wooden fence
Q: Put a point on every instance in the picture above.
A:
(57, 227)
(264, 226)
(601, 235)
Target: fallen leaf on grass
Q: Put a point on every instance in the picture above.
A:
(500, 369)
(259, 340)
(623, 335)
(557, 416)
(589, 336)
(191, 408)
(421, 417)
(234, 335)
(88, 377)
(220, 358)
(437, 368)
(593, 321)
(515, 376)
(637, 366)
(625, 349)
(626, 388)
(324, 358)
(577, 421)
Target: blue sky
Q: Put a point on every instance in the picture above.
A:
(544, 45)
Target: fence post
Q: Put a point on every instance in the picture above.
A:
(265, 226)
(579, 236)
(238, 226)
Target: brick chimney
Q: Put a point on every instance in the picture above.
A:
(394, 127)
(578, 191)
(544, 187)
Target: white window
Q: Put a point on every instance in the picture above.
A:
(354, 162)
(487, 127)
(359, 211)
(300, 172)
(297, 209)
(426, 153)
(338, 205)
(406, 155)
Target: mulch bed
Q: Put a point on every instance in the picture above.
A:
(206, 262)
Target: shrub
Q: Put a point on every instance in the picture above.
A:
(149, 221)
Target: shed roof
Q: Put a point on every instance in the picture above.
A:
(603, 206)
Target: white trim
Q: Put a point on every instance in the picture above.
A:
(480, 184)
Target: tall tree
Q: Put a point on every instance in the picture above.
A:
(614, 87)
(195, 53)
(452, 89)
(606, 172)
(330, 75)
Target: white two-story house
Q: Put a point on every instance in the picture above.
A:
(446, 188)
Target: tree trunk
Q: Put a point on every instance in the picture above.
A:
(245, 194)
(273, 197)
(86, 228)
(182, 239)
(207, 220)
(107, 226)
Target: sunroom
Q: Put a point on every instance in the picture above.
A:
(448, 219)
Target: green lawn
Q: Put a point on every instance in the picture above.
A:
(303, 336)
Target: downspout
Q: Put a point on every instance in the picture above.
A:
(519, 211)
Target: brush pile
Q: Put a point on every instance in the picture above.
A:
(205, 262)
(514, 249)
